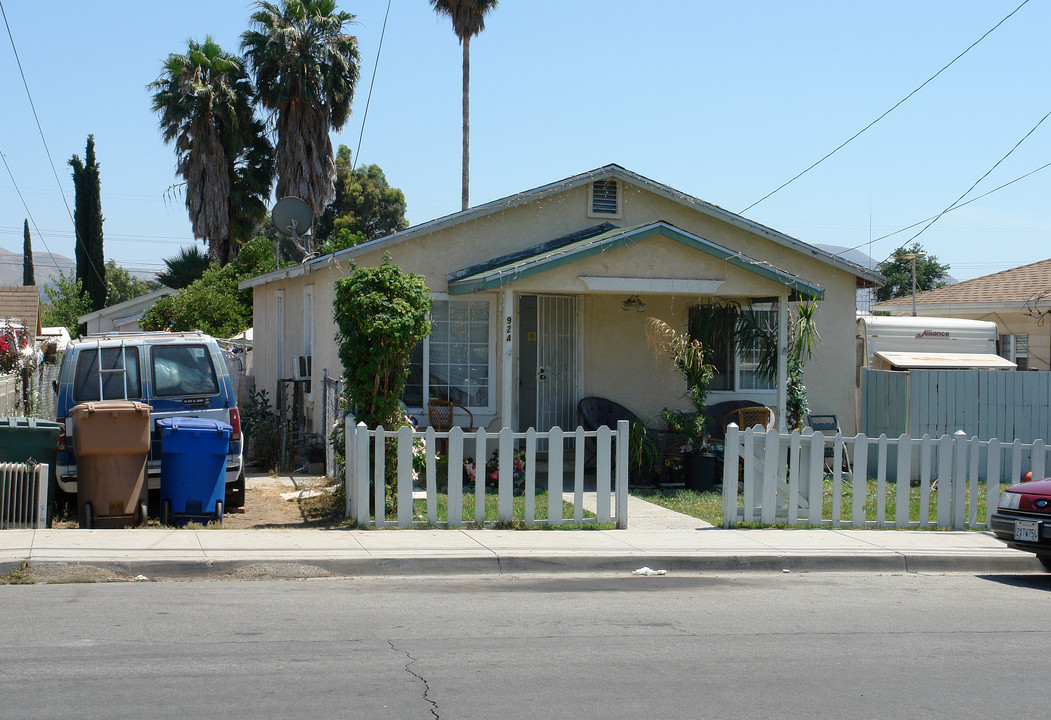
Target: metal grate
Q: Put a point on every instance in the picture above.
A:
(604, 197)
(23, 495)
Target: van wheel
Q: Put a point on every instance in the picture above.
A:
(166, 513)
(235, 492)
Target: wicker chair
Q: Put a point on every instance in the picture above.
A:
(441, 415)
(748, 417)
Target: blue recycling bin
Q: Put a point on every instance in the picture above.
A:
(193, 469)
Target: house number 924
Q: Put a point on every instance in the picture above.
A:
(507, 334)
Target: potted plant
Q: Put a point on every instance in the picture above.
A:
(688, 357)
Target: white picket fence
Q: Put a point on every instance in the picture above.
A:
(784, 477)
(9, 396)
(610, 474)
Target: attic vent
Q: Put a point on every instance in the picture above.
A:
(604, 198)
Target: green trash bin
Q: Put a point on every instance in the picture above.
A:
(28, 438)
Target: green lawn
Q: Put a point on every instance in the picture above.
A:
(517, 512)
(709, 506)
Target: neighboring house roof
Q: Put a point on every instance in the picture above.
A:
(865, 276)
(128, 311)
(22, 303)
(601, 238)
(1018, 287)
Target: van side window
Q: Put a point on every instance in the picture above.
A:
(182, 370)
(86, 380)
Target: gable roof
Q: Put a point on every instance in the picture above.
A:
(865, 276)
(22, 303)
(570, 248)
(1015, 287)
(129, 309)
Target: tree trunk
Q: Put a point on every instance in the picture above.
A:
(466, 121)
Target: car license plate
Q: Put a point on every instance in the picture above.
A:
(1027, 530)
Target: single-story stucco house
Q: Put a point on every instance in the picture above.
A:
(1018, 300)
(542, 298)
(125, 316)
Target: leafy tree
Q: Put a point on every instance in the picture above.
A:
(87, 222)
(184, 268)
(66, 303)
(28, 277)
(897, 269)
(381, 315)
(366, 206)
(468, 19)
(213, 303)
(122, 285)
(205, 101)
(305, 68)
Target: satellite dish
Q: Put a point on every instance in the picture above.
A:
(292, 217)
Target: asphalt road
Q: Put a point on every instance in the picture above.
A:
(732, 646)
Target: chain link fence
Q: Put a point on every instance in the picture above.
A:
(332, 394)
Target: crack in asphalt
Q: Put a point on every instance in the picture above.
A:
(426, 685)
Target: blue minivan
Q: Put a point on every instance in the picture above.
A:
(176, 374)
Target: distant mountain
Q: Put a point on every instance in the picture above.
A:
(45, 268)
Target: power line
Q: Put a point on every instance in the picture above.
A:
(952, 207)
(372, 83)
(886, 113)
(975, 183)
(47, 150)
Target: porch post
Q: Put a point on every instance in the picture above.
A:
(782, 361)
(507, 418)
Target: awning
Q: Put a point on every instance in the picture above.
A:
(942, 361)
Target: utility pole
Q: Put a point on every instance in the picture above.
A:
(913, 257)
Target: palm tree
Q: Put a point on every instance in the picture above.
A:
(306, 68)
(204, 98)
(468, 18)
(184, 268)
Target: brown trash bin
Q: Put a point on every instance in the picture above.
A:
(111, 440)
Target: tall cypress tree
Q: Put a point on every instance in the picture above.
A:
(27, 257)
(87, 222)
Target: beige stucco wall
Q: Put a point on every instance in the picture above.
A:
(614, 358)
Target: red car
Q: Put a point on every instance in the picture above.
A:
(1023, 518)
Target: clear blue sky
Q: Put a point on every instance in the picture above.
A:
(723, 101)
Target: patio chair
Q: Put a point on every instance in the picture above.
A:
(441, 414)
(748, 417)
(596, 412)
(828, 424)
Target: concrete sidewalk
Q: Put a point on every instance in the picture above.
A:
(657, 538)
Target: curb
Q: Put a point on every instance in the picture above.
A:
(884, 562)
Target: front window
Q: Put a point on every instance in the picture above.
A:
(120, 375)
(183, 370)
(741, 343)
(453, 363)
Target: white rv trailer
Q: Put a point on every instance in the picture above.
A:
(906, 343)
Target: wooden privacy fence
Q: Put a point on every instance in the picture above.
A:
(803, 479)
(983, 403)
(366, 455)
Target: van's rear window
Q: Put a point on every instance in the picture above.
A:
(183, 370)
(120, 375)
